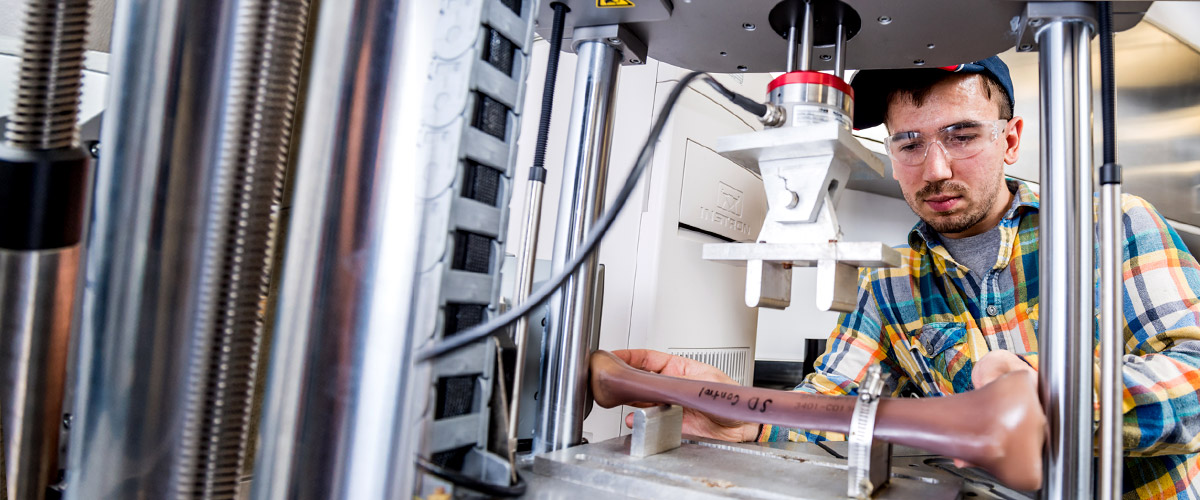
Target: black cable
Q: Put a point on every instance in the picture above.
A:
(754, 107)
(470, 483)
(499, 323)
(1110, 171)
(538, 171)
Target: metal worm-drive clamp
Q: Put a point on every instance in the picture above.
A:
(869, 460)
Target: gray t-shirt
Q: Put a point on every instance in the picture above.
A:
(978, 253)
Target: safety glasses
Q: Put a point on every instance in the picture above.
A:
(958, 141)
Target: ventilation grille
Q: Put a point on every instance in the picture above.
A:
(734, 361)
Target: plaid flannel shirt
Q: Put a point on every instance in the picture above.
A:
(919, 323)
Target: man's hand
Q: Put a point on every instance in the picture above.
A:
(994, 364)
(694, 422)
(990, 367)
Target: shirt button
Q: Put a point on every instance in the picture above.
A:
(993, 310)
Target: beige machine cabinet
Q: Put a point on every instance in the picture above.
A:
(659, 293)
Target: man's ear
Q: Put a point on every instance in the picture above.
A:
(1012, 137)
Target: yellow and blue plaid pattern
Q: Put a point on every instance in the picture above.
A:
(927, 322)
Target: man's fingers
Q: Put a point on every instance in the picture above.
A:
(629, 420)
(672, 365)
(645, 359)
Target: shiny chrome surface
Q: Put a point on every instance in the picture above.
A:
(1112, 342)
(144, 264)
(563, 394)
(806, 39)
(526, 256)
(1065, 240)
(797, 98)
(342, 393)
(37, 291)
(50, 80)
(268, 45)
(711, 36)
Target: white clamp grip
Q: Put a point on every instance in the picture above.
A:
(869, 462)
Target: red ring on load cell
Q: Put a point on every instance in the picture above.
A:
(816, 77)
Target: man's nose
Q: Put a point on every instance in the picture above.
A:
(937, 164)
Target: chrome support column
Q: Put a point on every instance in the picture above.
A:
(44, 189)
(37, 294)
(1112, 342)
(1066, 239)
(343, 393)
(563, 396)
(144, 268)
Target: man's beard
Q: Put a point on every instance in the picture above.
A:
(957, 222)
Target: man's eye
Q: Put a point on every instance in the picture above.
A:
(961, 139)
(911, 147)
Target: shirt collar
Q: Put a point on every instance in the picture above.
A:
(1024, 200)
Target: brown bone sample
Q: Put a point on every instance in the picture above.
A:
(999, 427)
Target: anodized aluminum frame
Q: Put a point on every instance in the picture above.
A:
(1065, 238)
(564, 398)
(344, 393)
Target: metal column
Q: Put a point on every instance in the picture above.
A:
(144, 264)
(44, 179)
(187, 195)
(563, 396)
(1066, 236)
(338, 410)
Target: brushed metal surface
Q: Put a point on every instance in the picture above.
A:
(727, 36)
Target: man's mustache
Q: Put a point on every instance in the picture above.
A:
(943, 187)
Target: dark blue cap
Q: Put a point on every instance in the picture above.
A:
(872, 86)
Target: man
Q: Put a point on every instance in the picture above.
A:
(963, 307)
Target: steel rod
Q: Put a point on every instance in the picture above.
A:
(1066, 235)
(791, 48)
(526, 256)
(342, 411)
(37, 291)
(1112, 342)
(144, 264)
(806, 38)
(40, 242)
(839, 51)
(563, 395)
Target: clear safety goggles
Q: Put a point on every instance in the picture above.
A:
(958, 141)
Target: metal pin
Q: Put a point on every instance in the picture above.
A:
(806, 38)
(791, 52)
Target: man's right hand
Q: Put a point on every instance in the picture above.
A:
(694, 422)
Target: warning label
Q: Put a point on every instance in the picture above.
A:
(613, 3)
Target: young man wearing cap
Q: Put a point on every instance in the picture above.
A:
(963, 307)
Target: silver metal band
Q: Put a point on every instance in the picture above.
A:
(862, 429)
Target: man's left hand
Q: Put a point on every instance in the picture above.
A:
(990, 367)
(994, 364)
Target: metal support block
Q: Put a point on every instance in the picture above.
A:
(837, 286)
(769, 269)
(859, 254)
(768, 284)
(656, 430)
(631, 48)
